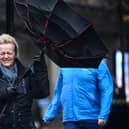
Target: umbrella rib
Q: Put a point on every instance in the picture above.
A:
(46, 22)
(70, 41)
(27, 23)
(80, 57)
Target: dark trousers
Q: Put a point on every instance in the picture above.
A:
(84, 124)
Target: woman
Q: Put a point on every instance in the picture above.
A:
(17, 91)
(85, 96)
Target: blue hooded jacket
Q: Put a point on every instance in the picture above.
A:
(82, 93)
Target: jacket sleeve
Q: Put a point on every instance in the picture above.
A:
(3, 93)
(55, 105)
(39, 80)
(105, 85)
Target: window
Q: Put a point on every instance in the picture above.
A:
(121, 73)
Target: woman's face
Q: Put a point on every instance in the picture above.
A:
(7, 54)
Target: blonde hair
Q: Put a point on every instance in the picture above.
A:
(8, 39)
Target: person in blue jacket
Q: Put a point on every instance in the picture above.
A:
(85, 96)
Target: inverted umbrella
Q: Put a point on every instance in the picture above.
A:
(67, 38)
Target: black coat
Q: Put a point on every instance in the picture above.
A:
(18, 113)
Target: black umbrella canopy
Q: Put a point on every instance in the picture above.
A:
(69, 39)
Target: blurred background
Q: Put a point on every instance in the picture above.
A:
(111, 21)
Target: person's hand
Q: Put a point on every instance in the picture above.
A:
(46, 122)
(11, 91)
(101, 122)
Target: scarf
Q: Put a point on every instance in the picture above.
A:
(10, 74)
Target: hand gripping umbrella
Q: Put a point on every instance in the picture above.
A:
(68, 39)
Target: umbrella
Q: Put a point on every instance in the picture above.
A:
(67, 38)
